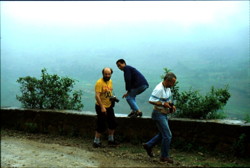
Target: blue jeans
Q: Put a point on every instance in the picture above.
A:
(132, 94)
(164, 134)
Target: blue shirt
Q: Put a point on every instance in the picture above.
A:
(133, 78)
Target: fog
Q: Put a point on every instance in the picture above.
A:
(205, 43)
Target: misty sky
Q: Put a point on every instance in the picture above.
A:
(80, 38)
(35, 30)
(91, 14)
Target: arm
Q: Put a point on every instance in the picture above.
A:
(159, 103)
(98, 99)
(127, 77)
(165, 104)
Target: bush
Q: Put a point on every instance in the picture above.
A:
(49, 92)
(191, 104)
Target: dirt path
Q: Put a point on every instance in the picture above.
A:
(29, 150)
(28, 153)
(19, 149)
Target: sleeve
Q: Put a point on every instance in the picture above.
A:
(98, 87)
(127, 77)
(156, 95)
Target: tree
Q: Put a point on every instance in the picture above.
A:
(191, 104)
(49, 92)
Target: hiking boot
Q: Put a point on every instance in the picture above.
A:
(113, 143)
(131, 114)
(167, 160)
(97, 145)
(148, 150)
(136, 114)
(139, 114)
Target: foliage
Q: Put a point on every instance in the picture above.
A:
(191, 104)
(239, 147)
(247, 118)
(49, 92)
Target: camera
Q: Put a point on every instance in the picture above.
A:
(171, 109)
(114, 99)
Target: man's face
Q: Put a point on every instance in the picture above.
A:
(121, 66)
(107, 74)
(170, 83)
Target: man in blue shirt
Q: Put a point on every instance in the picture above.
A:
(135, 85)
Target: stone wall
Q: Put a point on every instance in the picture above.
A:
(222, 136)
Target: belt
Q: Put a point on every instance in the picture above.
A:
(163, 111)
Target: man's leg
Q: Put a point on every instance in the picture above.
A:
(163, 127)
(131, 99)
(132, 102)
(100, 127)
(112, 124)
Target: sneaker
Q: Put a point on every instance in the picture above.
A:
(113, 143)
(167, 160)
(131, 114)
(148, 150)
(97, 145)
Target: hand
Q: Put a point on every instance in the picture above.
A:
(166, 105)
(125, 95)
(174, 109)
(103, 109)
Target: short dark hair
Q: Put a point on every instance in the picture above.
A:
(169, 76)
(121, 61)
(105, 68)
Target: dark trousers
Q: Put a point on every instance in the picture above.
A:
(105, 120)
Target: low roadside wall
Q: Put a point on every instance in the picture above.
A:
(218, 135)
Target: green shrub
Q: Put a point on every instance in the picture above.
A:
(49, 92)
(247, 118)
(191, 104)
